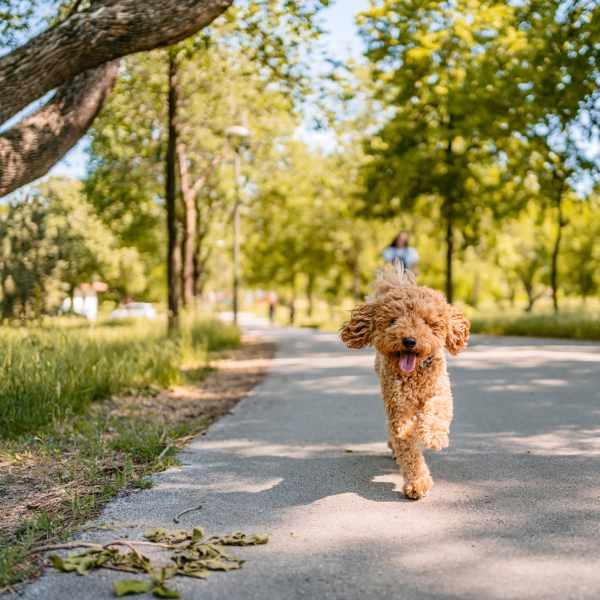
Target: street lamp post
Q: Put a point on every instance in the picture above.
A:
(238, 134)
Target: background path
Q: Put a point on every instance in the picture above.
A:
(514, 512)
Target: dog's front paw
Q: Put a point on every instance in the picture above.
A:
(432, 432)
(418, 488)
(435, 440)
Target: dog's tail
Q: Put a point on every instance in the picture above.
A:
(392, 276)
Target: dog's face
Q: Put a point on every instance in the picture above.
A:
(408, 325)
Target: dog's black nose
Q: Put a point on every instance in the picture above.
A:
(409, 342)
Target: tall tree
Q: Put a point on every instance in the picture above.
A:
(171, 194)
(457, 80)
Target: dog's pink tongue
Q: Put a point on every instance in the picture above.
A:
(407, 362)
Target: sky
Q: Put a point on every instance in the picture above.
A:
(341, 41)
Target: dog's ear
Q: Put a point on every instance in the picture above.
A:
(458, 330)
(356, 333)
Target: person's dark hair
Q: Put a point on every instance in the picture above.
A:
(394, 242)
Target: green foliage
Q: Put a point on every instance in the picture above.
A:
(465, 87)
(29, 258)
(52, 241)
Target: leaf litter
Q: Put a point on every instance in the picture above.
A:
(191, 554)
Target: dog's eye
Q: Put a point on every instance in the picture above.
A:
(392, 322)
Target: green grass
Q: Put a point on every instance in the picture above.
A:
(563, 325)
(50, 374)
(577, 321)
(51, 417)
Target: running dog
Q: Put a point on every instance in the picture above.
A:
(410, 326)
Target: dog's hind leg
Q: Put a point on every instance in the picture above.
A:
(417, 479)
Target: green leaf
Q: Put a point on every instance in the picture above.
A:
(197, 534)
(162, 592)
(58, 563)
(241, 539)
(216, 564)
(178, 536)
(155, 535)
(126, 587)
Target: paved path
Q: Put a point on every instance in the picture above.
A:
(514, 512)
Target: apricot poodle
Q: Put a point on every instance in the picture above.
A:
(409, 326)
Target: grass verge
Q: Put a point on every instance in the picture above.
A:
(52, 481)
(576, 323)
(563, 325)
(54, 373)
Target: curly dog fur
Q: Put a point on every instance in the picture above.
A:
(409, 326)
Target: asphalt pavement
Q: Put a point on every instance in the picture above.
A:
(514, 512)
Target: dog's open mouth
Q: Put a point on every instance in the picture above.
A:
(407, 361)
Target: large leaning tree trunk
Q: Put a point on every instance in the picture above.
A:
(74, 56)
(31, 148)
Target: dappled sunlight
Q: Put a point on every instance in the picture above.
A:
(582, 442)
(249, 449)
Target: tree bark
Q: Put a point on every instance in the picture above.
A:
(310, 288)
(107, 30)
(30, 148)
(190, 217)
(449, 252)
(171, 199)
(448, 208)
(555, 252)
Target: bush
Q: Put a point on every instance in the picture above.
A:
(47, 375)
(215, 335)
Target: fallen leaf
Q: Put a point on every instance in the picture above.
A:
(216, 564)
(241, 539)
(155, 535)
(161, 591)
(126, 587)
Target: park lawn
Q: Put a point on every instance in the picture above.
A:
(58, 472)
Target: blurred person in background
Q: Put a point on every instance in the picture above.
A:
(272, 302)
(401, 250)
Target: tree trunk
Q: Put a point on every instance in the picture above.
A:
(107, 30)
(292, 307)
(197, 274)
(356, 280)
(236, 240)
(30, 148)
(310, 288)
(531, 298)
(190, 217)
(555, 252)
(171, 198)
(449, 251)
(475, 290)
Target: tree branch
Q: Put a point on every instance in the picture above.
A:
(108, 30)
(33, 146)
